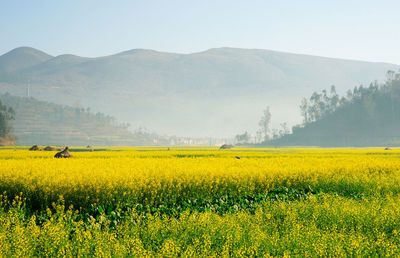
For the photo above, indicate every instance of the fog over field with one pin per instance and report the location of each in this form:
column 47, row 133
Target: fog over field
column 215, row 93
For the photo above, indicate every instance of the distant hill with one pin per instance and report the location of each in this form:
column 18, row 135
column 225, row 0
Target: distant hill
column 21, row 58
column 218, row 92
column 368, row 116
column 44, row 123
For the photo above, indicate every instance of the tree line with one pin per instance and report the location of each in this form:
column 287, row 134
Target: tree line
column 374, row 100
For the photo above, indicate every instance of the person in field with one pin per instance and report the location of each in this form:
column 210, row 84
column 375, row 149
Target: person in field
column 63, row 154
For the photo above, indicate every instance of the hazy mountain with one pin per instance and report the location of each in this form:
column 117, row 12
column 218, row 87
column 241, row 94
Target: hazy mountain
column 21, row 58
column 212, row 93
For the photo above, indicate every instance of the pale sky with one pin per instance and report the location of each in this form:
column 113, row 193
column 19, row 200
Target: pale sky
column 352, row 29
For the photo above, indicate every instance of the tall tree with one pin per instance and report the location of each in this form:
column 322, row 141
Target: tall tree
column 258, row 136
column 284, row 129
column 304, row 111
column 264, row 123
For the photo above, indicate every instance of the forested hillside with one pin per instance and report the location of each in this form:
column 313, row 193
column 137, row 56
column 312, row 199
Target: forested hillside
column 366, row 116
column 44, row 123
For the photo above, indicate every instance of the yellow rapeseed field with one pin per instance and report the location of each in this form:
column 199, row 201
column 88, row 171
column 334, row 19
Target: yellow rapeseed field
column 157, row 175
column 201, row 202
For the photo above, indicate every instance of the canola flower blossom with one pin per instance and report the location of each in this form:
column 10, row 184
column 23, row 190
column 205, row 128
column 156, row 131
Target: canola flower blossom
column 154, row 176
column 345, row 202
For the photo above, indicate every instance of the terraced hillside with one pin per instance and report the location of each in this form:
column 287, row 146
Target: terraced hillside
column 39, row 122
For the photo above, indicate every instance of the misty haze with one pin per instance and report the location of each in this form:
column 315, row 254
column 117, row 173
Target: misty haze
column 215, row 93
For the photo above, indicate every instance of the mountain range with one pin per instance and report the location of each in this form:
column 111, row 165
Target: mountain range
column 218, row 92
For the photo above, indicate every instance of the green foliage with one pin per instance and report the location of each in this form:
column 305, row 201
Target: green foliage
column 319, row 226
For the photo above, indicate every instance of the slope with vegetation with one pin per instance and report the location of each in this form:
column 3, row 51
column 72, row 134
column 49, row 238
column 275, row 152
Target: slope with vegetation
column 367, row 116
column 39, row 122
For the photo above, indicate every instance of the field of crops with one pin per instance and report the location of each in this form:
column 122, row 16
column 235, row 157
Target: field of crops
column 201, row 202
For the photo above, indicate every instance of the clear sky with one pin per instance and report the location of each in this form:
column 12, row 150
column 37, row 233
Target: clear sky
column 352, row 29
